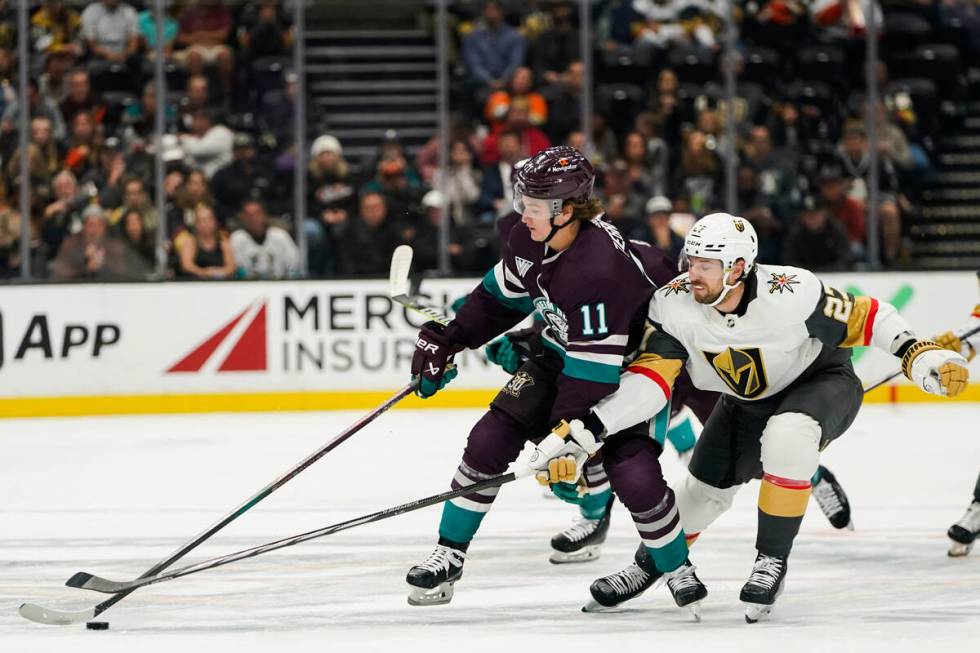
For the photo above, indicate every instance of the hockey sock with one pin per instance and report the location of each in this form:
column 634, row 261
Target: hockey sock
column 662, row 534
column 817, row 475
column 782, row 503
column 461, row 517
column 681, row 435
column 593, row 506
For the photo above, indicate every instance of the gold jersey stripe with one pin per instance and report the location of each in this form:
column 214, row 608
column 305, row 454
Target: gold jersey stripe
column 668, row 368
column 857, row 322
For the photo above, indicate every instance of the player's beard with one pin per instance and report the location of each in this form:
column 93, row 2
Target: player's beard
column 710, row 298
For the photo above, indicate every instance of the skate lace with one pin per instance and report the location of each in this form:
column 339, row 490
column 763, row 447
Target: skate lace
column 682, row 578
column 441, row 559
column 581, row 529
column 628, row 580
column 971, row 520
column 827, row 498
column 766, row 571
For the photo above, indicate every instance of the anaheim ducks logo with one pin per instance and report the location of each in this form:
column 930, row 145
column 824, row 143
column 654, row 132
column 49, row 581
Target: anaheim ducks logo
column 780, row 282
column 739, row 225
column 742, row 370
column 517, row 383
column 677, row 286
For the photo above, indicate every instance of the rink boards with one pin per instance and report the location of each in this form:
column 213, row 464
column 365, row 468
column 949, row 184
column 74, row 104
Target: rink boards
column 301, row 345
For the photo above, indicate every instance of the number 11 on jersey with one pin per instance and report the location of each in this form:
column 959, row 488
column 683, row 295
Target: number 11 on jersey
column 600, row 310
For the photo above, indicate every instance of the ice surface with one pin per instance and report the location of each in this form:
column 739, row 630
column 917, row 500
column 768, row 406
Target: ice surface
column 114, row 495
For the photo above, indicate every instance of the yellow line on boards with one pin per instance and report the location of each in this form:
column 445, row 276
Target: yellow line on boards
column 337, row 400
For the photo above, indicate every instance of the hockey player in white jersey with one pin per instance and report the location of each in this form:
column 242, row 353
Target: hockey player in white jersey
column 964, row 533
column 773, row 340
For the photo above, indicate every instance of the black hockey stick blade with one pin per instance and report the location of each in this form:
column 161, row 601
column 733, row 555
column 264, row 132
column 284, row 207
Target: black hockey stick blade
column 86, row 581
column 112, row 587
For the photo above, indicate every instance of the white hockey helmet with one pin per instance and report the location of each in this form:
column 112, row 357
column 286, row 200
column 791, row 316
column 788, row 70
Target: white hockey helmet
column 725, row 238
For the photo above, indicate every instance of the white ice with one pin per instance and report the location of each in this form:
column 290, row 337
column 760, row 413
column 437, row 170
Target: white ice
column 114, row 495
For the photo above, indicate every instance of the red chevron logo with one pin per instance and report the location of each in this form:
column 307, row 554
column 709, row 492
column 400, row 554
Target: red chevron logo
column 248, row 354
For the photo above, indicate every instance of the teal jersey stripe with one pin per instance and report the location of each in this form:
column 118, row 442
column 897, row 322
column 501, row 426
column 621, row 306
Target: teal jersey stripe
column 521, row 304
column 585, row 370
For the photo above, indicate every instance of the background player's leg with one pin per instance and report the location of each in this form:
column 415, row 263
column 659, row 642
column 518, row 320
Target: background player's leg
column 582, row 541
column 965, row 532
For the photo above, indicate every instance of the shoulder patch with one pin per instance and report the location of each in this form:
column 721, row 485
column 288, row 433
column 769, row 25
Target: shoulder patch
column 780, row 282
column 523, row 265
column 677, row 286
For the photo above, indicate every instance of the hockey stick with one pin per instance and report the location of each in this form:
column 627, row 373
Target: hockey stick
column 44, row 615
column 888, row 378
column 401, row 263
column 88, row 581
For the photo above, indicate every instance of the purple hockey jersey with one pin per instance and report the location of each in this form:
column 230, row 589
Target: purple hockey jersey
column 592, row 297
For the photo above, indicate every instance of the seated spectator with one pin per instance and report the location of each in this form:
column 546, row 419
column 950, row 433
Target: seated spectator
column 846, row 210
column 698, row 177
column 618, row 214
column 775, row 172
column 493, row 50
column 565, row 100
column 755, row 206
column 84, row 145
column 39, row 107
column 146, row 21
column 139, row 244
column 55, row 28
column 10, row 230
column 205, row 251
column 108, row 175
column 641, row 179
column 331, row 203
column 63, row 216
column 191, row 192
column 555, row 49
column 92, row 253
column 853, row 154
column 245, row 177
column 532, row 139
column 110, row 31
column 264, row 30
column 615, row 24
column 605, row 145
column 371, row 238
column 424, row 239
column 197, row 96
column 263, row 251
column 141, row 117
column 462, row 183
column 497, row 192
column 81, row 97
column 657, row 230
column 203, row 39
column 400, row 184
column 53, row 82
column 43, row 156
column 816, row 242
column 520, row 88
column 135, row 198
column 209, row 145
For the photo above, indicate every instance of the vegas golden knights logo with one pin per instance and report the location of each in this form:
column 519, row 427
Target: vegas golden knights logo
column 739, row 225
column 742, row 370
column 517, row 383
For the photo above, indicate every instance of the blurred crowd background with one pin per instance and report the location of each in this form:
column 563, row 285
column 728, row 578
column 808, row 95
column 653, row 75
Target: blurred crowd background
column 833, row 176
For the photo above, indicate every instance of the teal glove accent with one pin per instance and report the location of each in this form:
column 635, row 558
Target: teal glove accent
column 503, row 353
column 458, row 304
column 427, row 387
column 567, row 492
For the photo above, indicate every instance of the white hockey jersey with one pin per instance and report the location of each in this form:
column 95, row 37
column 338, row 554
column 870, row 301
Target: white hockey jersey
column 786, row 317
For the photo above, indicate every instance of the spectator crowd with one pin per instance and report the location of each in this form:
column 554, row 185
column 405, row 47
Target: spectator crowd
column 658, row 137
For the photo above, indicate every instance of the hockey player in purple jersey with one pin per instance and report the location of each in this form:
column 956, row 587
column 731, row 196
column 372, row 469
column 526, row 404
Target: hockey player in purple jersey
column 588, row 284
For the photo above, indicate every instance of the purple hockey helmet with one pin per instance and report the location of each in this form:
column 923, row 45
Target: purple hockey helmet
column 555, row 174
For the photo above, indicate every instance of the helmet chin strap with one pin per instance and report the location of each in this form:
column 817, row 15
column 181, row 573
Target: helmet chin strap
column 725, row 289
column 556, row 228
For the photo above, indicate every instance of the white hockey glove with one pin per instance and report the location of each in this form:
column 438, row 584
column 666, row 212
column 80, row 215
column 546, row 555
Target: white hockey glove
column 561, row 456
column 936, row 370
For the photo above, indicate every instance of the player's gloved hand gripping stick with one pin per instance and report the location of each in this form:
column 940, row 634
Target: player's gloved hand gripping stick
column 399, row 284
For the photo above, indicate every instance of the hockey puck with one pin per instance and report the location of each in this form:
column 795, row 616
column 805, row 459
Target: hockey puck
column 97, row 625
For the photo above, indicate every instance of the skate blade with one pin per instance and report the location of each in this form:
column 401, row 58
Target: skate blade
column 695, row 609
column 586, row 554
column 420, row 596
column 755, row 612
column 850, row 525
column 958, row 549
column 595, row 606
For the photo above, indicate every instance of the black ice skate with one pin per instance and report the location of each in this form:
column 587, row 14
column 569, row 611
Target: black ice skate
column 432, row 581
column 609, row 591
column 832, row 500
column 965, row 532
column 581, row 542
column 763, row 587
column 687, row 588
